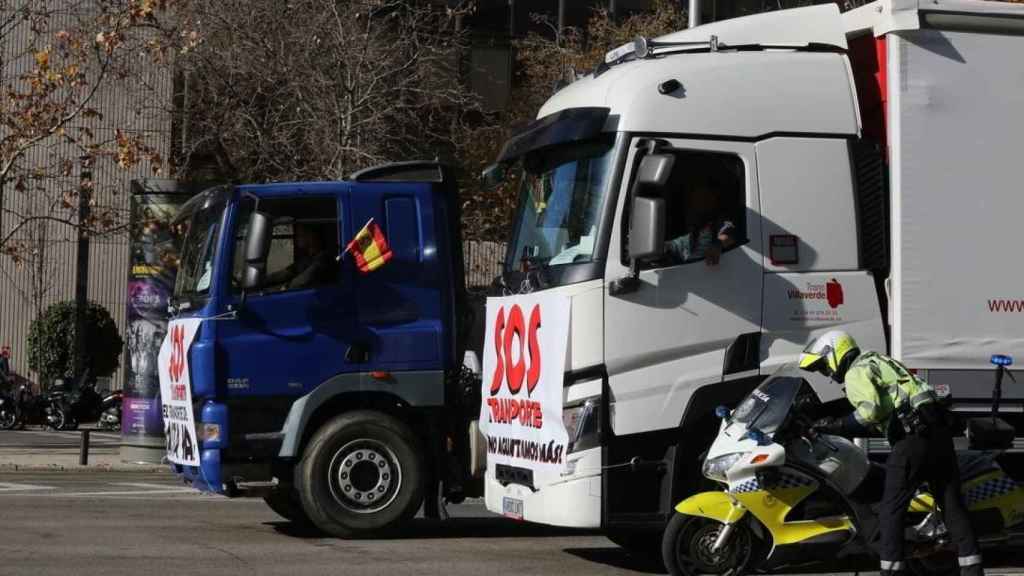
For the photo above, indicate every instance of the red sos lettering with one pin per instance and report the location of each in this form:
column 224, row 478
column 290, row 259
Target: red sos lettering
column 176, row 367
column 514, row 334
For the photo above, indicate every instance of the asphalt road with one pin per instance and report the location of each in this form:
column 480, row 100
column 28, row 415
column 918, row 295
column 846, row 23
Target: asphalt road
column 114, row 523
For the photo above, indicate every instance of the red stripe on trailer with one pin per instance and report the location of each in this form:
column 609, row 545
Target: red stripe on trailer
column 868, row 59
column 882, row 79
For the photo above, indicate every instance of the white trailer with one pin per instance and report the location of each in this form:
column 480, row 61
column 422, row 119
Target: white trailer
column 868, row 164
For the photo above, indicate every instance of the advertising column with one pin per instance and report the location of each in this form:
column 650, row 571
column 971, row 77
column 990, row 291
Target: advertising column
column 154, row 263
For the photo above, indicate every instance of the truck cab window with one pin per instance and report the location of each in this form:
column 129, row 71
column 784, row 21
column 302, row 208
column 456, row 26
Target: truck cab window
column 303, row 249
column 704, row 202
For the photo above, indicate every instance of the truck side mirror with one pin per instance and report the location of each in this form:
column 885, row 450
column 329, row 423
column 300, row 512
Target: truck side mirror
column 647, row 228
column 654, row 171
column 647, row 216
column 257, row 249
column 492, row 176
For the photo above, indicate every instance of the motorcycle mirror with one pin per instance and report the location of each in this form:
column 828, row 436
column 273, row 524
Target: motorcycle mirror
column 757, row 436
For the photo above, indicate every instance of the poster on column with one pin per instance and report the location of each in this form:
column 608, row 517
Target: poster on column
column 176, row 392
column 523, row 367
column 154, row 262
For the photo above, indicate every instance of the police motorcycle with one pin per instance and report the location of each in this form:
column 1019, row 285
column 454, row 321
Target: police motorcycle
column 793, row 496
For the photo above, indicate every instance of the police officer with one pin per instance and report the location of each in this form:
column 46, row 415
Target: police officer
column 888, row 399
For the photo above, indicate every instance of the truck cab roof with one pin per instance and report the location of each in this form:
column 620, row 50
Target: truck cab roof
column 775, row 72
column 732, row 93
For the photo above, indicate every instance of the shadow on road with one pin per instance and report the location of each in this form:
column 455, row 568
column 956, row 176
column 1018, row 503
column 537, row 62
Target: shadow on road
column 422, row 529
column 618, row 558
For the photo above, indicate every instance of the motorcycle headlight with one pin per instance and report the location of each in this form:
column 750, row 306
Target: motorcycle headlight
column 715, row 468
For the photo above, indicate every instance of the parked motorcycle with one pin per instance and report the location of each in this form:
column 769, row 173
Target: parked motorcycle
column 41, row 409
column 8, row 414
column 110, row 419
column 794, row 496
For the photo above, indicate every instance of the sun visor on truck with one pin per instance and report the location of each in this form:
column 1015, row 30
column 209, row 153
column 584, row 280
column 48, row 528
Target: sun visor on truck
column 570, row 125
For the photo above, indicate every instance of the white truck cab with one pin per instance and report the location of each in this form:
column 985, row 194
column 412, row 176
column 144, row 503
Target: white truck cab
column 855, row 172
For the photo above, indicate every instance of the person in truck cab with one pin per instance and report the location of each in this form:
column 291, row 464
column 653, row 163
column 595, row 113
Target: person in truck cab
column 708, row 230
column 313, row 263
column 888, row 399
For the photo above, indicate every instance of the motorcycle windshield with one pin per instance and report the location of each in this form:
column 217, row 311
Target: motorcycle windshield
column 767, row 406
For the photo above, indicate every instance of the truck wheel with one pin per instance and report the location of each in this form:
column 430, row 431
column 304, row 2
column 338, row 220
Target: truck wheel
column 286, row 503
column 360, row 474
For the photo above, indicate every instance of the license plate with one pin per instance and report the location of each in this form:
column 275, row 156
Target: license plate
column 512, row 508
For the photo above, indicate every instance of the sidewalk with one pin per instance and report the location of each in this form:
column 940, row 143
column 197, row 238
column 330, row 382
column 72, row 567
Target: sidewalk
column 49, row 450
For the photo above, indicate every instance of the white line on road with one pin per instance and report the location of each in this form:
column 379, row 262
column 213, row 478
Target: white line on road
column 149, row 485
column 129, row 492
column 70, row 433
column 12, row 487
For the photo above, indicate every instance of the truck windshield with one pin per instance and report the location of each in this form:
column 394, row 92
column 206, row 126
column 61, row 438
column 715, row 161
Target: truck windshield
column 197, row 228
column 560, row 204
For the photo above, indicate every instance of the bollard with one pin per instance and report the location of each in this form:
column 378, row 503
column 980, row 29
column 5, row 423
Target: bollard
column 83, row 455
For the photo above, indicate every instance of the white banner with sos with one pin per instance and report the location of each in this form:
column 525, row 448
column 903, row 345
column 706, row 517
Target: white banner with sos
column 176, row 392
column 524, row 364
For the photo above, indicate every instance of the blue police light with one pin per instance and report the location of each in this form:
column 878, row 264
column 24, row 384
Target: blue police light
column 757, row 436
column 1001, row 360
column 722, row 412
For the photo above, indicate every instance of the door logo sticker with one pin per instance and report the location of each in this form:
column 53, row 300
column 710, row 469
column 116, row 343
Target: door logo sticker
column 834, row 293
column 817, row 301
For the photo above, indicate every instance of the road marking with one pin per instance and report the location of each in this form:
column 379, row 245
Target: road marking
column 13, row 487
column 150, row 485
column 128, row 492
column 71, row 434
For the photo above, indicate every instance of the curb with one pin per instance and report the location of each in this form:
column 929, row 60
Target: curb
column 90, row 468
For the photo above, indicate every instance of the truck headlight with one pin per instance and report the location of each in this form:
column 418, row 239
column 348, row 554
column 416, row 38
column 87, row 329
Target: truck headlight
column 715, row 468
column 583, row 423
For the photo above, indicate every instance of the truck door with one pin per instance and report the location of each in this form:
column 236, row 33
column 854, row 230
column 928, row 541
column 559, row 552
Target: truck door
column 293, row 333
column 666, row 343
column 402, row 320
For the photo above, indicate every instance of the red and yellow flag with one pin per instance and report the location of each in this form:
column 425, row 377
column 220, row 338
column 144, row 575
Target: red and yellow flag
column 370, row 248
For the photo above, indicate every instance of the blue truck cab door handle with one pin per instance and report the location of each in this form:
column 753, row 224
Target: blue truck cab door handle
column 357, row 353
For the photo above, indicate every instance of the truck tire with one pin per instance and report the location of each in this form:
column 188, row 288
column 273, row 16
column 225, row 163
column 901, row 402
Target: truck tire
column 360, row 475
column 285, row 503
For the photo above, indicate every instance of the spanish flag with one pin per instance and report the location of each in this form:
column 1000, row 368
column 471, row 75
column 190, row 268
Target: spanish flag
column 370, row 248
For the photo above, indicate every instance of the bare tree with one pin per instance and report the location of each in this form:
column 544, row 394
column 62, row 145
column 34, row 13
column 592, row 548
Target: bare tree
column 544, row 61
column 315, row 89
column 57, row 58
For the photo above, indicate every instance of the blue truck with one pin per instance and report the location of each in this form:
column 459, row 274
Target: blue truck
column 336, row 395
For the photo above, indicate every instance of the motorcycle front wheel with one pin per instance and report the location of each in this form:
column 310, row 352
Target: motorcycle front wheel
column 686, row 548
column 8, row 419
column 56, row 419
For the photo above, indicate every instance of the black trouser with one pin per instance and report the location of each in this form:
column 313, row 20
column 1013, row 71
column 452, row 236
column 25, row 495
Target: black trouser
column 926, row 456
